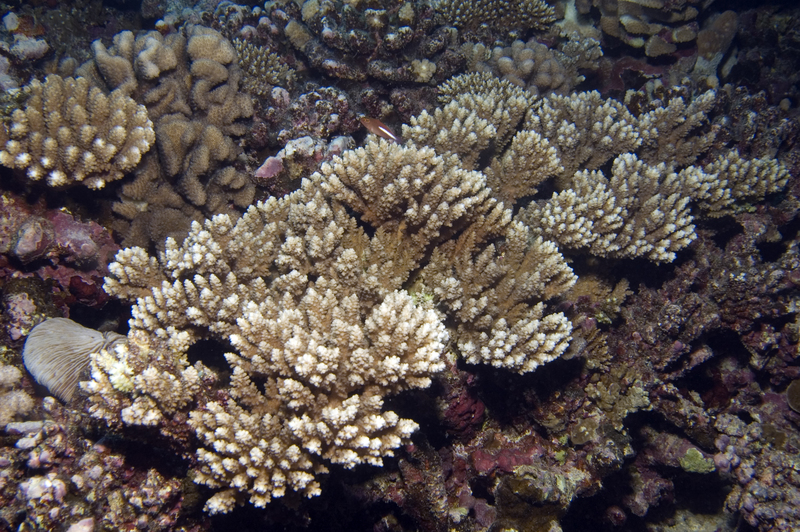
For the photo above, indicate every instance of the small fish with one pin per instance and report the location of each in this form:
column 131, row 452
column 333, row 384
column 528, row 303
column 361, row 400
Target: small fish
column 377, row 127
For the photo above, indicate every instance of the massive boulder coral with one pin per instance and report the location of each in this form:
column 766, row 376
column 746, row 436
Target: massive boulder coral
column 71, row 132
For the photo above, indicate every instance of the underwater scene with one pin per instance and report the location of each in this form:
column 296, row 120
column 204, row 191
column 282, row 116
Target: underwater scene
column 400, row 266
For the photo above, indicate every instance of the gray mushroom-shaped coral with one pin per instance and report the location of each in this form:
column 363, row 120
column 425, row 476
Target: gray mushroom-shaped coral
column 57, row 351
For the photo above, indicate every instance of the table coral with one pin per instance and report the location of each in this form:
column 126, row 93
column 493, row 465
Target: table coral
column 312, row 303
column 653, row 200
column 343, row 333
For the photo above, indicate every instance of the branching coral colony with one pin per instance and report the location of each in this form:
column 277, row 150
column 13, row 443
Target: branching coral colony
column 326, row 318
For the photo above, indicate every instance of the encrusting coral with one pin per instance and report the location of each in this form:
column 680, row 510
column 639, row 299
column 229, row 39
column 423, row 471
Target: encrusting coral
column 71, row 132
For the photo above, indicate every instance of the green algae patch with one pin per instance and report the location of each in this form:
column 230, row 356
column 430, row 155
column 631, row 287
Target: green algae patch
column 693, row 461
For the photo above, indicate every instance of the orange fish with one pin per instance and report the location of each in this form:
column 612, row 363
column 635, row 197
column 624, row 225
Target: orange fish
column 377, row 127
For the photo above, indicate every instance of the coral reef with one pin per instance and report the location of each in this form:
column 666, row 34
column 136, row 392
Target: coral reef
column 562, row 296
column 759, row 457
column 310, row 272
column 688, row 40
column 50, row 478
column 49, row 260
column 713, row 42
column 663, row 349
column 767, row 40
